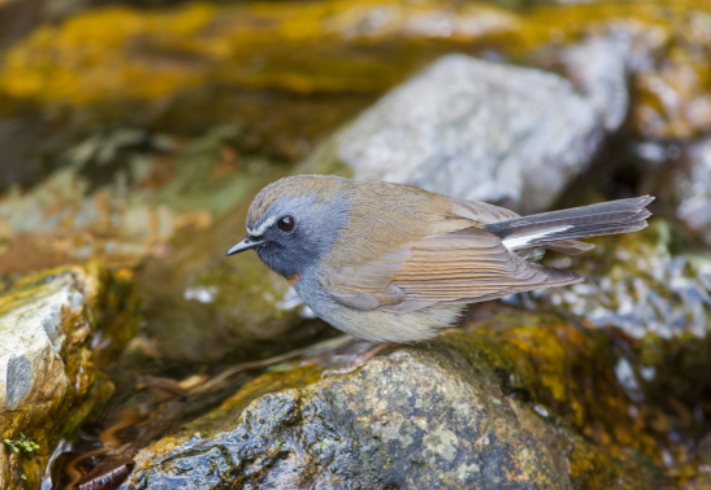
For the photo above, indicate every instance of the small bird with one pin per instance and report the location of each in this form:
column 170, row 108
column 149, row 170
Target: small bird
column 389, row 262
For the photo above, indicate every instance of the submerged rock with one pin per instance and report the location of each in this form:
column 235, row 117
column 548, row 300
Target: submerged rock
column 56, row 329
column 482, row 130
column 513, row 402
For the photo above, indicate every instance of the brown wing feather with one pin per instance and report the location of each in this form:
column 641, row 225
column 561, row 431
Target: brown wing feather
column 463, row 266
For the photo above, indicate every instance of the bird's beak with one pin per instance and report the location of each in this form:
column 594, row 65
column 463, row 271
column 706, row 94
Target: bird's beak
column 248, row 243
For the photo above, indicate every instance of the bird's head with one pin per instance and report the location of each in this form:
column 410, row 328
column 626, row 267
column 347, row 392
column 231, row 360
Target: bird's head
column 293, row 222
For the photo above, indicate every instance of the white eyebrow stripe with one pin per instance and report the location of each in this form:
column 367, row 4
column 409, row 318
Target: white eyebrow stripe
column 262, row 228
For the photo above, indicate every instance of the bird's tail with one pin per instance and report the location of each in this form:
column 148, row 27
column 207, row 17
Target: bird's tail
column 558, row 230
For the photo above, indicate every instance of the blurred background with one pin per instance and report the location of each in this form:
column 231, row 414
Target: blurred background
column 134, row 134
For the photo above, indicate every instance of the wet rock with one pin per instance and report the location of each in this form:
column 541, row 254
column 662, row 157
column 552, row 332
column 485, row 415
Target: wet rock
column 61, row 222
column 635, row 282
column 56, row 329
column 502, row 405
column 483, row 130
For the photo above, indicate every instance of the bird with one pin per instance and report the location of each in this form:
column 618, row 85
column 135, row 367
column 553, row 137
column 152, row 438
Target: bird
column 393, row 263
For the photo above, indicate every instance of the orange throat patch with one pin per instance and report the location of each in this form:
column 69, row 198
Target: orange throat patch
column 293, row 279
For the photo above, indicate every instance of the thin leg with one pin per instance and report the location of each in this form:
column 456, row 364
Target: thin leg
column 358, row 361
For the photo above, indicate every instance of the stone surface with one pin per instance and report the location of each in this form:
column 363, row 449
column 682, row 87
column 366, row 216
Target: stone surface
column 120, row 197
column 56, row 329
column 502, row 405
column 598, row 67
column 482, row 130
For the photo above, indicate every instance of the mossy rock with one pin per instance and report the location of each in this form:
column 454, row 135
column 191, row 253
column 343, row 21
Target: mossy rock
column 514, row 401
column 57, row 328
column 116, row 54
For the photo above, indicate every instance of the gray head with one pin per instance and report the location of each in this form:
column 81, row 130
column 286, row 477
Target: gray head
column 293, row 222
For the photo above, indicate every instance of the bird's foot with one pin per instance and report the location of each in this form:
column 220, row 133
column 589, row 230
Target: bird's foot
column 358, row 361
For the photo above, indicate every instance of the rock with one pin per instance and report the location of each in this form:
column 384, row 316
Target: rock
column 129, row 53
column 598, row 67
column 692, row 189
column 121, row 197
column 483, row 130
column 635, row 283
column 501, row 405
column 672, row 77
column 56, row 329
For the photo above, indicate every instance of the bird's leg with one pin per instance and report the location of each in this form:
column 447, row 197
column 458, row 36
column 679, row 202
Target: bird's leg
column 358, row 361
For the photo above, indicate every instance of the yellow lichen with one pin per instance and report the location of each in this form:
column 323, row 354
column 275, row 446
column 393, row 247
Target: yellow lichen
column 565, row 368
column 118, row 52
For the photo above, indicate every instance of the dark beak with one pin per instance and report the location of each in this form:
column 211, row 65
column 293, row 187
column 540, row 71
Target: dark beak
column 248, row 243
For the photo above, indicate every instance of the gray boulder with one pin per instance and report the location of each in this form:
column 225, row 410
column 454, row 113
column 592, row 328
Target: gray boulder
column 484, row 130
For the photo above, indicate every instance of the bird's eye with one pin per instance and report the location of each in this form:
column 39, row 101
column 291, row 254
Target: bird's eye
column 286, row 223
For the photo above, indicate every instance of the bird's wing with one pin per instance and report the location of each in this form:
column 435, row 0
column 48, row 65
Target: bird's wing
column 467, row 265
column 486, row 214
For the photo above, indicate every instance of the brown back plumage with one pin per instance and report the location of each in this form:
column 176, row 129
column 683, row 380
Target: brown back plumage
column 406, row 249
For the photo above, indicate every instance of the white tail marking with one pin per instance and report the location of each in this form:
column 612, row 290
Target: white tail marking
column 519, row 242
